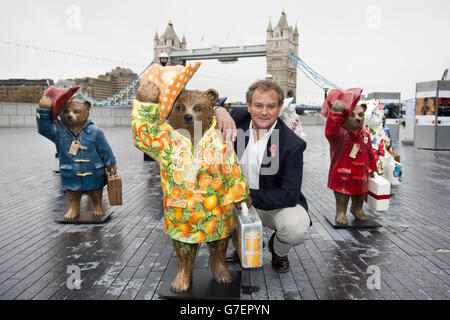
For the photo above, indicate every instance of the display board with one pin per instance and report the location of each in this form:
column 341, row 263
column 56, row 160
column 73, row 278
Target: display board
column 432, row 120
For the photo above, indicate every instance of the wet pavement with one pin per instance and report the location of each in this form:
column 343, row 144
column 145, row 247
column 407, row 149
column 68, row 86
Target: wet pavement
column 126, row 258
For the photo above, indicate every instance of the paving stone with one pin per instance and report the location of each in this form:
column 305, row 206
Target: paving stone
column 127, row 257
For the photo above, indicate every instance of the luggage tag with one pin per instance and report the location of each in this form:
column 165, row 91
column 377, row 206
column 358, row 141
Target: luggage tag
column 354, row 151
column 74, row 148
column 75, row 144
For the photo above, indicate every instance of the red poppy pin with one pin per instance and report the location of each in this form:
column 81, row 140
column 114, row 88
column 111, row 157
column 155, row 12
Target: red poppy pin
column 273, row 150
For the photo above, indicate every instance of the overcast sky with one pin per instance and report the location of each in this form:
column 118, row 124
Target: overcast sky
column 377, row 45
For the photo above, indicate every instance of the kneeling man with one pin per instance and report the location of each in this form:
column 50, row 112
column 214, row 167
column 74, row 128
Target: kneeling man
column 271, row 156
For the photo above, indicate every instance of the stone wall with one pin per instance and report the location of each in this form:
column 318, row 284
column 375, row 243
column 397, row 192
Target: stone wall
column 312, row 120
column 20, row 115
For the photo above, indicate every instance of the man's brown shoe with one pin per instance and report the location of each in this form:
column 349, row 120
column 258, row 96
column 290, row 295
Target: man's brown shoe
column 280, row 264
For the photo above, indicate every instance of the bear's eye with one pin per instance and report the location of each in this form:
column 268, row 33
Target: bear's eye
column 360, row 114
column 180, row 108
column 197, row 108
column 66, row 111
column 76, row 111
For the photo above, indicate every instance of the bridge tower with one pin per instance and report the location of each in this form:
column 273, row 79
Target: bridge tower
column 166, row 43
column 280, row 40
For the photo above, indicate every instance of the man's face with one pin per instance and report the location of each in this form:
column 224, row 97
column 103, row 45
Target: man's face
column 264, row 108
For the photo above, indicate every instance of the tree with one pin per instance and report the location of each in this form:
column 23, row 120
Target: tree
column 27, row 95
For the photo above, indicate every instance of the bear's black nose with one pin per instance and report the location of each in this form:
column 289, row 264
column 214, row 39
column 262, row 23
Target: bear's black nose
column 69, row 117
column 188, row 118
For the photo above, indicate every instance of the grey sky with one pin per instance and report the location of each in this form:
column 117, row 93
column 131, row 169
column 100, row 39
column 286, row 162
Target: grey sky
column 340, row 39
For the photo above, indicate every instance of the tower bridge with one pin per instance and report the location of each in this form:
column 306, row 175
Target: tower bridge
column 280, row 40
column 219, row 53
column 280, row 50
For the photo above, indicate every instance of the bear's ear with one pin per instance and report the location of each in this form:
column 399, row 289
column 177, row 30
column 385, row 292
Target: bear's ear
column 212, row 94
column 364, row 106
column 88, row 104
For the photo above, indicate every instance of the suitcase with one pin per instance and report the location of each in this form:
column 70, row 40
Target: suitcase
column 379, row 193
column 114, row 188
column 247, row 236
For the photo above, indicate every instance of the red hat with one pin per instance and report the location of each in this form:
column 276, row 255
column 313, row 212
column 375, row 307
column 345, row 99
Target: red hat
column 59, row 98
column 349, row 98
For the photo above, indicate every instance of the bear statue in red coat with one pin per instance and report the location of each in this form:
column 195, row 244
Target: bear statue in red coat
column 351, row 153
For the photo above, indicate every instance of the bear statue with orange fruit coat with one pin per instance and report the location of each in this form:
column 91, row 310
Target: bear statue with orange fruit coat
column 200, row 175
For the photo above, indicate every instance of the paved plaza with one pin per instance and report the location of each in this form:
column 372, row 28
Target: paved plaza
column 126, row 258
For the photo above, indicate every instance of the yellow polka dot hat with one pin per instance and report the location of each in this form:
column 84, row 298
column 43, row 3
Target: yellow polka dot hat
column 171, row 80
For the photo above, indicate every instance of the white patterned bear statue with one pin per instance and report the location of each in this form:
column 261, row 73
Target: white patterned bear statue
column 392, row 170
column 291, row 118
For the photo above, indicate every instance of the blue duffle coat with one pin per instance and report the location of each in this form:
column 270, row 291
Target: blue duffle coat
column 86, row 170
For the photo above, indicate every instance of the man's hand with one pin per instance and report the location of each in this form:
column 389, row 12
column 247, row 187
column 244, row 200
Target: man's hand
column 225, row 124
column 247, row 200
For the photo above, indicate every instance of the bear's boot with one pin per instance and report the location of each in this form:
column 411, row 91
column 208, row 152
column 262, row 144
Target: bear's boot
column 96, row 197
column 356, row 207
column 341, row 207
column 217, row 256
column 186, row 253
column 74, row 198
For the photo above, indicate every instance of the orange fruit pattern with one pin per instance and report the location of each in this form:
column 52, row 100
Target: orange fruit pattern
column 183, row 159
column 216, row 184
column 194, row 211
column 237, row 191
column 210, row 203
column 178, row 214
column 204, row 179
column 225, row 169
column 178, row 176
column 211, row 226
column 209, row 154
column 176, row 193
column 204, row 164
column 236, row 171
column 214, row 166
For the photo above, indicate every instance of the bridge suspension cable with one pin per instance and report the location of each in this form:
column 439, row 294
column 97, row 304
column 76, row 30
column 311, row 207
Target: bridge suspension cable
column 126, row 95
column 67, row 53
column 311, row 74
column 121, row 97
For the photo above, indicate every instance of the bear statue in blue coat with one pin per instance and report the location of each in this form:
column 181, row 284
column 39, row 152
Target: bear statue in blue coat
column 83, row 151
